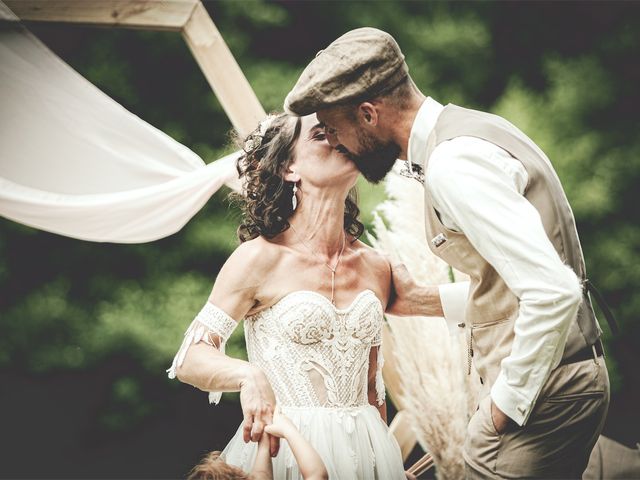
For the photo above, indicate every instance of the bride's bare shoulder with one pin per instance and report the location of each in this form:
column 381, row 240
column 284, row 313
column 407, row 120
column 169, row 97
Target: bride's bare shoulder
column 239, row 281
column 373, row 258
column 374, row 266
column 254, row 256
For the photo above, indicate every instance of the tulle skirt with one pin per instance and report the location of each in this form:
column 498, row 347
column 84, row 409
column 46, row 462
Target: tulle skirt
column 354, row 443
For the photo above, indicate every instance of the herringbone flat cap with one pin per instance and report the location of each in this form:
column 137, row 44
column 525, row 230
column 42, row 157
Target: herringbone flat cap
column 358, row 65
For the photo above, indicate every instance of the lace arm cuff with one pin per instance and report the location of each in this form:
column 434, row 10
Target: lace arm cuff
column 210, row 321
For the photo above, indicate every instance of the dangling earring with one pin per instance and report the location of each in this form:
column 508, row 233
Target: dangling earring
column 294, row 199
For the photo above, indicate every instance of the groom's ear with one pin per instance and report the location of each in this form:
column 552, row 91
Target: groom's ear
column 368, row 114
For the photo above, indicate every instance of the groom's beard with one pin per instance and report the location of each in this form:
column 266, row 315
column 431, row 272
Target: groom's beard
column 376, row 158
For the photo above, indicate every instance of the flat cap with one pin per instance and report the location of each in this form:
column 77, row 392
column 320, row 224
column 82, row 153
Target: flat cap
column 360, row 64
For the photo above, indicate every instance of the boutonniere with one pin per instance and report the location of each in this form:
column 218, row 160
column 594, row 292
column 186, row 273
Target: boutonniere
column 413, row 170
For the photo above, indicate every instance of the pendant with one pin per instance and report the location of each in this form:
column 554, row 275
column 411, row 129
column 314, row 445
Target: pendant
column 333, row 286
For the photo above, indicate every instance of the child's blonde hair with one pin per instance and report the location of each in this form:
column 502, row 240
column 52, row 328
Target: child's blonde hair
column 212, row 467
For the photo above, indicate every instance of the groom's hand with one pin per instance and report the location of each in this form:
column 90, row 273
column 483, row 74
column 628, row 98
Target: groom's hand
column 500, row 420
column 409, row 298
column 402, row 288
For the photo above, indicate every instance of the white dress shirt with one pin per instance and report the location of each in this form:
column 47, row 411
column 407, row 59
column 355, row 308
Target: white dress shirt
column 477, row 188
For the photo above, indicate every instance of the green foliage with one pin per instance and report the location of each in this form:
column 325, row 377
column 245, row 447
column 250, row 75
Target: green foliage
column 127, row 406
column 449, row 55
column 44, row 330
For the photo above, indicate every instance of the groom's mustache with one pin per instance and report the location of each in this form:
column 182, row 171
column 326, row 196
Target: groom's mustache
column 346, row 152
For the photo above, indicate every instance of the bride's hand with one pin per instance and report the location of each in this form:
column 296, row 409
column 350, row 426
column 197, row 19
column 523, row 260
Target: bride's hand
column 258, row 402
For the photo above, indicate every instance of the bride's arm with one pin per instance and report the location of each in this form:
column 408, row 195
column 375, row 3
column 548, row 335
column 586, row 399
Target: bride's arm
column 210, row 370
column 201, row 361
column 375, row 387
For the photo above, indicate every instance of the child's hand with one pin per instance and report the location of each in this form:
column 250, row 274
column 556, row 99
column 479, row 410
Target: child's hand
column 281, row 426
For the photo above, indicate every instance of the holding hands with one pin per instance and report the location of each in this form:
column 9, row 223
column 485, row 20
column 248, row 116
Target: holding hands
column 309, row 461
column 281, row 426
column 258, row 403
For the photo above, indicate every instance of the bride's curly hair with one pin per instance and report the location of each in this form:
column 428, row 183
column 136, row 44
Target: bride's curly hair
column 265, row 200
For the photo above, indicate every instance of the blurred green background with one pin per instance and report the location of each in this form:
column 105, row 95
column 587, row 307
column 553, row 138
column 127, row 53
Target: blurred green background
column 87, row 329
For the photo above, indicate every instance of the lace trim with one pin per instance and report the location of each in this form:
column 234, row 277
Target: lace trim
column 377, row 340
column 380, row 390
column 210, row 320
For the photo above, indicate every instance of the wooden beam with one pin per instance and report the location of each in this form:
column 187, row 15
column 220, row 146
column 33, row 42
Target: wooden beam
column 7, row 14
column 188, row 16
column 222, row 72
column 148, row 14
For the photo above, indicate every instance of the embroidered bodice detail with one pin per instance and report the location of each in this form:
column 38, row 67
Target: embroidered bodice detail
column 314, row 354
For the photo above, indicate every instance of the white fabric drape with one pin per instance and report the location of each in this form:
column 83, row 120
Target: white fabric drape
column 75, row 162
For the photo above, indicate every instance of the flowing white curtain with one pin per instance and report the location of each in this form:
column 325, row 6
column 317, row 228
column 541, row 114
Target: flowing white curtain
column 75, row 162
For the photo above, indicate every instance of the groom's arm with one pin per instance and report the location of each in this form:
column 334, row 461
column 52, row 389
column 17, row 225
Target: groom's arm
column 410, row 299
column 479, row 187
column 447, row 300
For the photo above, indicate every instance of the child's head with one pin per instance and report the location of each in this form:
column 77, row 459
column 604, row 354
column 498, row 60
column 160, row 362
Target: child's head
column 212, row 467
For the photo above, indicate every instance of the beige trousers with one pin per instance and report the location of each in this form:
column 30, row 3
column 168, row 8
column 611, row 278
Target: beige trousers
column 557, row 439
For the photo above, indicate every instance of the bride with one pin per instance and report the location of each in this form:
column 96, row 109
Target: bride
column 312, row 297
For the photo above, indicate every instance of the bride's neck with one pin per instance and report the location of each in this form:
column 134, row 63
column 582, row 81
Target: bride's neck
column 319, row 221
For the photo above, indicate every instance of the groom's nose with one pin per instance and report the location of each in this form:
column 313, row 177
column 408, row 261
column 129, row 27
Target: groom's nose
column 332, row 138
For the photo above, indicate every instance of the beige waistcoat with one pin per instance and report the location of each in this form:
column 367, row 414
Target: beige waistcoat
column 492, row 308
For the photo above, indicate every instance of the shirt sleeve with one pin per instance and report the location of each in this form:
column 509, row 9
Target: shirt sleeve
column 472, row 183
column 453, row 297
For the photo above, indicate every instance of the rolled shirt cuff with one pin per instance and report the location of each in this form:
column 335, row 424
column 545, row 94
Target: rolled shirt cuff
column 453, row 297
column 513, row 404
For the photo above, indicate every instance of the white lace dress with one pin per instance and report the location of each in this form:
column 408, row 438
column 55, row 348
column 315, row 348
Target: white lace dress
column 316, row 358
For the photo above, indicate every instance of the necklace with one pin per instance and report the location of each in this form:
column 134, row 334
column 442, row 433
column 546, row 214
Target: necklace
column 315, row 254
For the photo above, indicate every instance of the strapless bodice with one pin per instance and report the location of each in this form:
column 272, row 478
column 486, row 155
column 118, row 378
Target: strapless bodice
column 314, row 354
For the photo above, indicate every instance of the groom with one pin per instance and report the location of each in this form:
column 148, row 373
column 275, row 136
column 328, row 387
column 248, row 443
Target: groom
column 494, row 209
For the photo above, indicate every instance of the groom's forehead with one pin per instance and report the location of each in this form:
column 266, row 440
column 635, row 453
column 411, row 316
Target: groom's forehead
column 329, row 116
column 323, row 119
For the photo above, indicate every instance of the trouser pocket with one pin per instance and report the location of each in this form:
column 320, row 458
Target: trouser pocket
column 482, row 442
column 564, row 425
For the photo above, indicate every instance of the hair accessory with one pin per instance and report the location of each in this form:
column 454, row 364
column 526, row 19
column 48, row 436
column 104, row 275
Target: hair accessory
column 254, row 140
